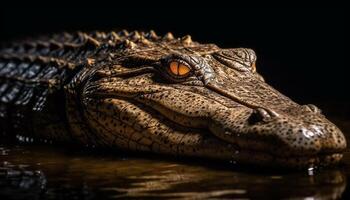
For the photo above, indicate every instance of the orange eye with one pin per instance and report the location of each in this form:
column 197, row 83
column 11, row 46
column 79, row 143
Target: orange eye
column 178, row 68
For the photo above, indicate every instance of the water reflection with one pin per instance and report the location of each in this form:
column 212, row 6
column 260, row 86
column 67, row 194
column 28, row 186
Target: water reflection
column 17, row 179
column 41, row 172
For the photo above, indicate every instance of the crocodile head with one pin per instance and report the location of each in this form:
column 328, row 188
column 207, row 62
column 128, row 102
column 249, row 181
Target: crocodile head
column 175, row 96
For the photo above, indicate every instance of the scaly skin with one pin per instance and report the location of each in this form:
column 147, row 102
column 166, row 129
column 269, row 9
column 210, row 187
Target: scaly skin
column 117, row 90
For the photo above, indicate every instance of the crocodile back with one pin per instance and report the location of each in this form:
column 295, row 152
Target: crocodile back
column 33, row 73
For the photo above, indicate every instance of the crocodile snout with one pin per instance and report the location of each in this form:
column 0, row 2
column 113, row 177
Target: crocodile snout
column 299, row 131
column 298, row 134
column 309, row 133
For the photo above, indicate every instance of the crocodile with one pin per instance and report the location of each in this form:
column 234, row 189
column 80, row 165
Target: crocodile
column 137, row 91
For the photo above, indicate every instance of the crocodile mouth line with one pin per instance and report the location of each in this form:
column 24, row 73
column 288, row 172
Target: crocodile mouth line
column 254, row 156
column 317, row 160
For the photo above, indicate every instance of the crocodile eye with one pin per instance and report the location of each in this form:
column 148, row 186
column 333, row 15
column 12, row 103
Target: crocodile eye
column 178, row 68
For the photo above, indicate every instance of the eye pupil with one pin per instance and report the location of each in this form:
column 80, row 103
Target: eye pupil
column 179, row 69
column 174, row 68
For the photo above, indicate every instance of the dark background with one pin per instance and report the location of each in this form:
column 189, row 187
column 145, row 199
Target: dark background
column 301, row 51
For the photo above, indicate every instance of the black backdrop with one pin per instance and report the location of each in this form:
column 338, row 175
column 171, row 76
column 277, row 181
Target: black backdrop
column 301, row 51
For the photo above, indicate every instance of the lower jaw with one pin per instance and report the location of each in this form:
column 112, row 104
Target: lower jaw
column 322, row 160
column 245, row 157
column 294, row 162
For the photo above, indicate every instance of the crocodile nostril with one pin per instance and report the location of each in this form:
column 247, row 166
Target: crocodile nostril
column 312, row 108
column 261, row 115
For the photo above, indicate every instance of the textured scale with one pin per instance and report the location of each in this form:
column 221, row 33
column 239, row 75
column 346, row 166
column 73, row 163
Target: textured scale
column 116, row 90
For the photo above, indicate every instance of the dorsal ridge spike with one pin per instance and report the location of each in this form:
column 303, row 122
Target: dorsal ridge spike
column 168, row 36
column 43, row 44
column 114, row 35
column 124, row 33
column 129, row 44
column 186, row 40
column 92, row 41
column 135, row 35
column 113, row 38
column 65, row 34
column 145, row 41
column 55, row 45
column 152, row 35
